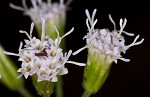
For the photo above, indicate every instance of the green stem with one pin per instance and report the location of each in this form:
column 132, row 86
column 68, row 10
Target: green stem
column 24, row 92
column 86, row 94
column 59, row 87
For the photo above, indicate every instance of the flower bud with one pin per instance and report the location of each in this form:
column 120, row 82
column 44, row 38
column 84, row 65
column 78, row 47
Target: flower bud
column 43, row 59
column 104, row 48
column 53, row 13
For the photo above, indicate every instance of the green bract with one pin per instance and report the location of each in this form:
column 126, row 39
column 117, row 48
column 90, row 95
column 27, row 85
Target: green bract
column 95, row 72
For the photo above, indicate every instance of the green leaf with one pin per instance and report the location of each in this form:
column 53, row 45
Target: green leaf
column 9, row 72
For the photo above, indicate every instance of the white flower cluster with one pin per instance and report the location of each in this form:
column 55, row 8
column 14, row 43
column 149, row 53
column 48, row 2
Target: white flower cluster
column 47, row 10
column 109, row 44
column 43, row 57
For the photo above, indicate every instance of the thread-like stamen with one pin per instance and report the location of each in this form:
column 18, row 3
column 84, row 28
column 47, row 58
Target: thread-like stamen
column 88, row 16
column 76, row 63
column 61, row 2
column 89, row 29
column 127, row 33
column 123, row 59
column 34, row 3
column 93, row 15
column 92, row 27
column 49, row 2
column 31, row 29
column 122, row 25
column 16, row 7
column 39, row 2
column 69, row 32
column 21, row 31
column 79, row 50
column 69, row 54
column 114, row 24
column 56, row 31
column 43, row 28
column 134, row 42
column 21, row 44
column 68, row 2
column 10, row 53
column 24, row 4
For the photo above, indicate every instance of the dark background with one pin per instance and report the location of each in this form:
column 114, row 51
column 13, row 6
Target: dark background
column 125, row 79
